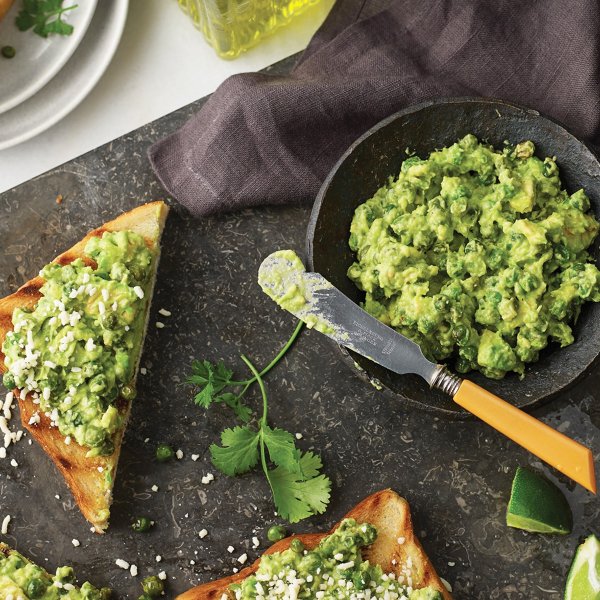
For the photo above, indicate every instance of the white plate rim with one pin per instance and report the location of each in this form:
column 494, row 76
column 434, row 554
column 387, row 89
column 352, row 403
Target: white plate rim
column 121, row 8
column 39, row 82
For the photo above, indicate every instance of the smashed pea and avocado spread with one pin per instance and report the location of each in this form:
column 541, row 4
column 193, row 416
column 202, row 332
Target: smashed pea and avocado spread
column 76, row 351
column 332, row 570
column 477, row 253
column 20, row 579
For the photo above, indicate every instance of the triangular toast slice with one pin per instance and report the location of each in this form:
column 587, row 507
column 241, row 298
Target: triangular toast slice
column 385, row 510
column 22, row 578
column 90, row 479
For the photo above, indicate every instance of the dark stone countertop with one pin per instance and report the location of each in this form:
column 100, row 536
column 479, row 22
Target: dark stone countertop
column 456, row 475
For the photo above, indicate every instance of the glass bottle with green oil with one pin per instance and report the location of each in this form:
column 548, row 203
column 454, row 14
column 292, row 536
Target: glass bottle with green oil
column 232, row 26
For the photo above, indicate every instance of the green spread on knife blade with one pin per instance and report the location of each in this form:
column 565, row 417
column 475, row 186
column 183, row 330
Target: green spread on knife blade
column 281, row 278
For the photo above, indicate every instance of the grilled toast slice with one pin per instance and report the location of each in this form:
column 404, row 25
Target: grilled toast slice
column 20, row 578
column 90, row 479
column 390, row 514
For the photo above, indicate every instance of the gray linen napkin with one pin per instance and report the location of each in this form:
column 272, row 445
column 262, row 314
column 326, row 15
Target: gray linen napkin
column 264, row 139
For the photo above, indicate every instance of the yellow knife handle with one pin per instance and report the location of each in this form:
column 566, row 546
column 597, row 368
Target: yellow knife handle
column 564, row 454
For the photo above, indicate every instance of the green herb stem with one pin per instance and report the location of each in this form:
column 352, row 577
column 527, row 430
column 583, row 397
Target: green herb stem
column 279, row 356
column 263, row 420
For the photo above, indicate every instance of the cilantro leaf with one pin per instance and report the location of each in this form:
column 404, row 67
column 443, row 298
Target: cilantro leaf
column 213, row 378
column 282, row 449
column 24, row 21
column 296, row 498
column 239, row 452
column 45, row 16
column 59, row 27
column 242, row 412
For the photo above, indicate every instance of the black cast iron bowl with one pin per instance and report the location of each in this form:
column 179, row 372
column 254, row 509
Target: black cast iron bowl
column 376, row 155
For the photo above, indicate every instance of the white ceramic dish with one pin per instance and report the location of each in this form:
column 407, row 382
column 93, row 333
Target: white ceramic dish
column 74, row 81
column 38, row 59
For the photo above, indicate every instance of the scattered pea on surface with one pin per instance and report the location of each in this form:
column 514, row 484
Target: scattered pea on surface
column 153, row 586
column 164, row 452
column 276, row 533
column 141, row 524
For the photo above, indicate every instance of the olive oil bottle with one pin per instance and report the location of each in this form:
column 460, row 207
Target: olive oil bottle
column 232, row 26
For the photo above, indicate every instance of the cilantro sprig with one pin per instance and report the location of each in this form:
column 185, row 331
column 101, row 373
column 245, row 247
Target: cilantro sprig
column 298, row 487
column 45, row 16
column 214, row 379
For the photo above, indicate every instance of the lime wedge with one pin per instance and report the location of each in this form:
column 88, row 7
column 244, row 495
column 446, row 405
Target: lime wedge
column 537, row 505
column 583, row 582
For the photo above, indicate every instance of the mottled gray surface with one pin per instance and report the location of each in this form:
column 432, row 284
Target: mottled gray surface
column 456, row 475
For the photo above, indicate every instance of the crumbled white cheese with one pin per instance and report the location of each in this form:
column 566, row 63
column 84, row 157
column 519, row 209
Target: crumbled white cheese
column 159, row 324
column 299, row 436
column 162, row 575
column 206, row 479
column 158, row 558
column 446, row 584
column 123, row 564
column 154, row 488
column 195, row 457
column 230, row 549
column 164, row 312
column 179, row 454
column 75, row 543
column 202, row 533
column 133, row 570
column 243, row 558
column 5, row 524
column 139, row 292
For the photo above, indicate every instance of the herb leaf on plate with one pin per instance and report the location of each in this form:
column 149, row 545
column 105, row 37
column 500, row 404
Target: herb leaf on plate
column 45, row 17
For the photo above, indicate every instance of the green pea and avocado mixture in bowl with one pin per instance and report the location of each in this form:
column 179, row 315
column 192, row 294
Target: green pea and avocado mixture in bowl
column 477, row 254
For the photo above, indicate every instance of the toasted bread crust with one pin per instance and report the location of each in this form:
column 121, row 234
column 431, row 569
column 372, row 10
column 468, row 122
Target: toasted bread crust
column 389, row 513
column 86, row 477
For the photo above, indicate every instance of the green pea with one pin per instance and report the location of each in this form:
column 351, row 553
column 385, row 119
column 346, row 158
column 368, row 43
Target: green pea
column 296, row 545
column 164, row 452
column 36, row 588
column 8, row 52
column 128, row 392
column 8, row 380
column 361, row 580
column 108, row 320
column 107, row 447
column 94, row 436
column 153, row 586
column 141, row 524
column 276, row 533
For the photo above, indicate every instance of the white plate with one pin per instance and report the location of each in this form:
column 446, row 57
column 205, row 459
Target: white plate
column 73, row 82
column 38, row 59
